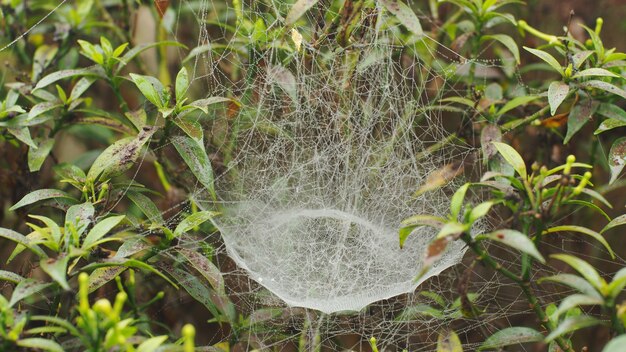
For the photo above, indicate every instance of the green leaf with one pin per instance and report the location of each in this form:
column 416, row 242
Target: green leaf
column 205, row 267
column 297, row 10
column 57, row 269
column 151, row 88
column 580, row 229
column 120, row 156
column 617, row 158
column 147, row 206
column 516, row 102
column 36, row 157
column 557, row 92
column 616, row 344
column 418, row 311
column 39, row 195
column 574, row 281
column 511, row 336
column 512, row 158
column 198, row 161
column 578, row 117
column 80, row 216
column 449, row 342
column 100, row 230
column 129, row 263
column 203, row 104
column 182, row 84
column 584, row 269
column 151, row 344
column 480, row 210
column 605, row 86
column 572, row 324
column 40, row 343
column 549, row 59
column 22, row 134
column 101, row 276
column 617, row 284
column 594, row 72
column 43, row 108
column 576, row 300
column 456, row 203
column 22, row 240
column 415, row 221
column 194, row 220
column 618, row 221
column 452, row 228
column 514, row 239
column 10, row 276
column 404, row 14
column 95, row 71
column 611, row 111
column 609, row 124
column 508, row 43
column 26, row 288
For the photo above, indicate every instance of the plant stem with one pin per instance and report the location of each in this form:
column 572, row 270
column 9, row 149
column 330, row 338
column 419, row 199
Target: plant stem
column 523, row 284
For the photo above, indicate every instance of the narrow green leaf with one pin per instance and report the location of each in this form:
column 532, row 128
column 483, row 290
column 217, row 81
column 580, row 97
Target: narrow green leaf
column 100, row 230
column 594, row 72
column 579, row 116
column 557, row 92
column 21, row 240
column 285, row 80
column 508, row 43
column 203, row 104
column 584, row 269
column 151, row 344
column 120, row 156
column 40, row 343
column 452, row 228
column 617, row 158
column 511, row 336
column 39, row 195
column 480, row 210
column 549, row 59
column 580, row 229
column 609, row 124
column 515, row 240
column 101, row 276
column 147, row 206
column 456, row 203
column 151, row 88
column 182, row 84
column 572, row 324
column 10, row 276
column 449, row 342
column 198, row 161
column 36, row 157
column 516, row 102
column 22, row 134
column 605, row 86
column 57, row 269
column 573, row 281
column 132, row 53
column 415, row 221
column 618, row 221
column 205, row 267
column 297, row 10
column 404, row 14
column 512, row 158
column 576, row 300
column 194, row 220
column 26, row 288
column 95, row 71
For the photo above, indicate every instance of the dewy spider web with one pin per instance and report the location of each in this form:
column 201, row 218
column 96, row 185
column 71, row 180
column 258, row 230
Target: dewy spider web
column 328, row 151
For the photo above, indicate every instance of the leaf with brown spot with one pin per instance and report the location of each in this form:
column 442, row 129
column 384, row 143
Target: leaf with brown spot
column 617, row 158
column 120, row 156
